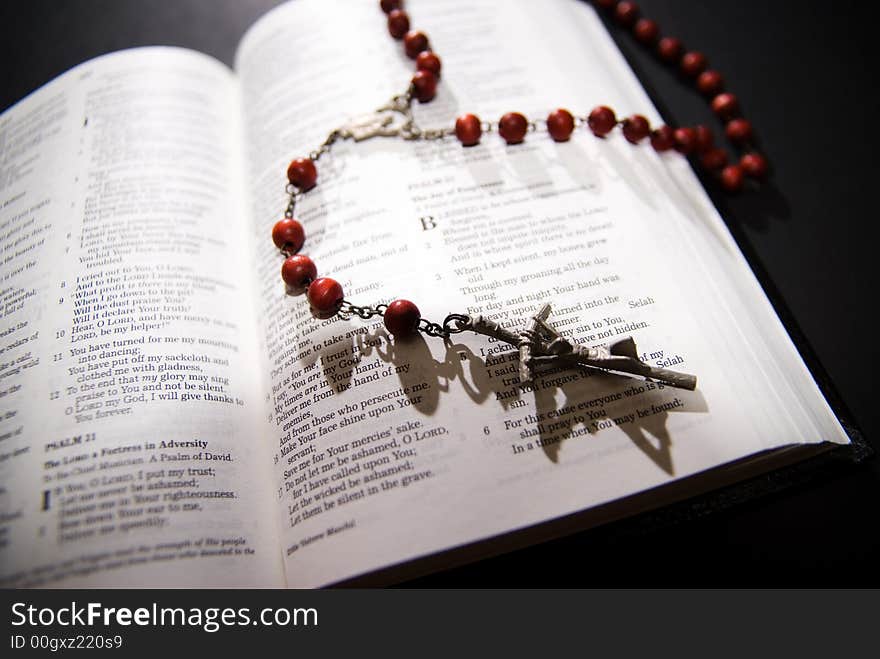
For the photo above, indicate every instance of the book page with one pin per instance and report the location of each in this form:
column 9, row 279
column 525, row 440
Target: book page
column 127, row 392
column 389, row 450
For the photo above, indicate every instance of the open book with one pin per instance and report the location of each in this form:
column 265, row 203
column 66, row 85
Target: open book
column 169, row 417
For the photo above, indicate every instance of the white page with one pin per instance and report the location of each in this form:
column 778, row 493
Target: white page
column 439, row 450
column 129, row 395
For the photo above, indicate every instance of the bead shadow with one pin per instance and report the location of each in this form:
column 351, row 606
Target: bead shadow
column 630, row 169
column 524, row 164
column 475, row 379
column 416, row 369
column 412, row 362
column 757, row 208
column 459, row 363
column 314, row 209
column 572, row 157
column 340, row 379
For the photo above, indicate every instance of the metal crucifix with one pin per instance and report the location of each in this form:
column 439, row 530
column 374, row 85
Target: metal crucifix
column 541, row 344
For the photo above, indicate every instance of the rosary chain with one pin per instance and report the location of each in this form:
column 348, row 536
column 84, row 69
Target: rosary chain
column 401, row 104
column 454, row 323
column 325, row 145
column 293, row 195
column 409, row 130
column 347, row 310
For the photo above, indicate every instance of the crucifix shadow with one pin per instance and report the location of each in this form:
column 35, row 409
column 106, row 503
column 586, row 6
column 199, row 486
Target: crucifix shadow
column 424, row 379
column 642, row 411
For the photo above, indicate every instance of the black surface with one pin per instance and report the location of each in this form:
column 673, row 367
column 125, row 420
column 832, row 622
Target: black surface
column 803, row 73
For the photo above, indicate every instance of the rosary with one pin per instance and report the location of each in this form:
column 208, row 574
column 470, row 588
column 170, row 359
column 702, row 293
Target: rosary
column 539, row 343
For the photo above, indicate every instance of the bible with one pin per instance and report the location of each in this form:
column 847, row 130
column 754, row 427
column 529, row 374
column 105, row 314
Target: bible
column 169, row 416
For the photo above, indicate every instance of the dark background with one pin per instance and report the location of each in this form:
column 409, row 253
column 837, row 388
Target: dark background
column 804, row 73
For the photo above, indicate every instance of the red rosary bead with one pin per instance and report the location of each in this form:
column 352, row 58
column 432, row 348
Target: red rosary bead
column 601, row 120
column 739, row 130
column 428, row 61
column 685, row 140
column 714, row 159
column 663, row 139
column 693, row 64
column 754, row 165
column 288, row 235
column 732, row 178
column 424, row 85
column 325, row 295
column 402, row 318
column 710, row 83
column 468, row 129
column 298, row 271
column 669, row 49
column 725, row 105
column 398, row 23
column 390, row 5
column 699, row 139
column 646, row 31
column 302, row 173
column 560, row 125
column 636, row 128
column 513, row 127
column 415, row 42
column 705, row 138
column 626, row 13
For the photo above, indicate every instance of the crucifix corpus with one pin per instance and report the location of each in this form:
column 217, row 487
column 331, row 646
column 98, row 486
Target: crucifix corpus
column 540, row 344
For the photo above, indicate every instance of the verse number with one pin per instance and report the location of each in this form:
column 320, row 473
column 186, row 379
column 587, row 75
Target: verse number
column 485, row 430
